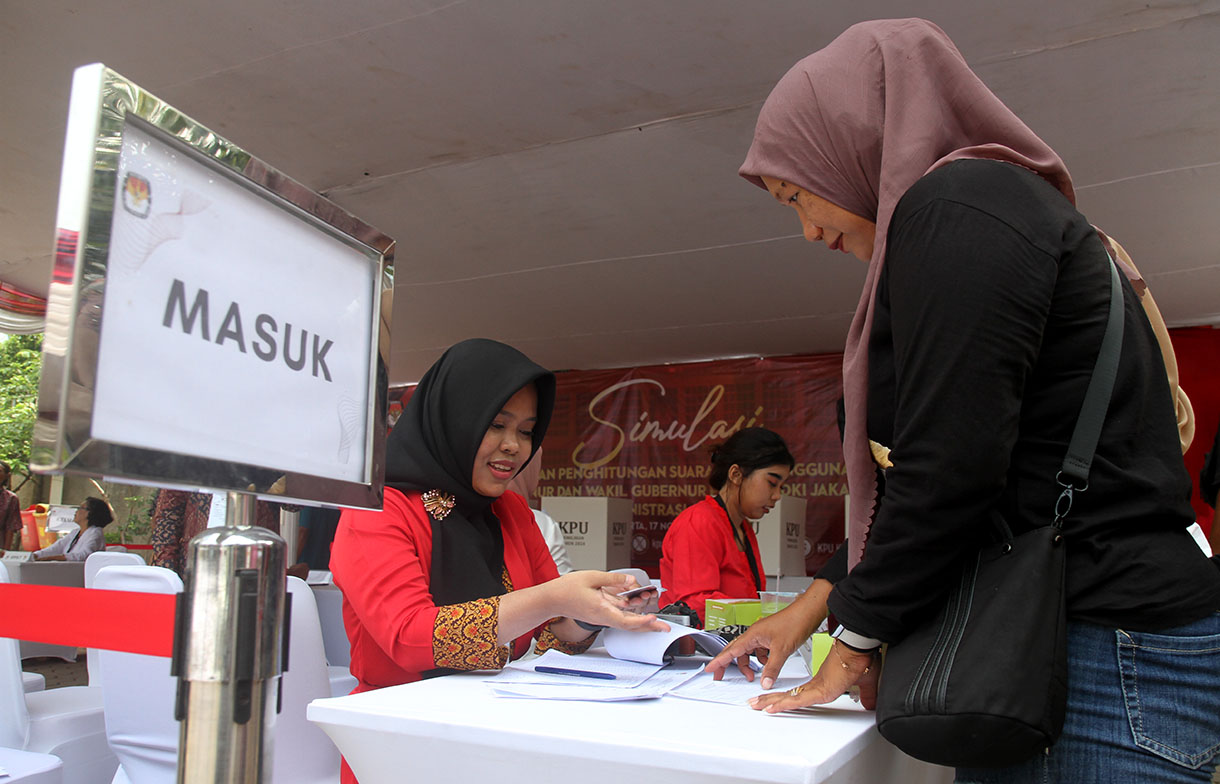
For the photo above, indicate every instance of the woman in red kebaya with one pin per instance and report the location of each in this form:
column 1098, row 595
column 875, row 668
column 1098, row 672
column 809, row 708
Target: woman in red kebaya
column 710, row 551
column 453, row 574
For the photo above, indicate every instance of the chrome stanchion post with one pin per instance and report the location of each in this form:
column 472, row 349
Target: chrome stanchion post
column 227, row 650
column 290, row 526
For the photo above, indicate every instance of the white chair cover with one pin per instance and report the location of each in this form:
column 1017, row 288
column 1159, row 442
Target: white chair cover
column 14, row 717
column 28, row 767
column 66, row 722
column 33, row 681
column 330, row 612
column 303, row 753
column 93, row 564
column 138, row 690
column 341, row 680
column 139, row 696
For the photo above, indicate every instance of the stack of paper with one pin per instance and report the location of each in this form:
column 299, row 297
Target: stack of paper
column 594, row 676
column 658, row 647
column 633, row 666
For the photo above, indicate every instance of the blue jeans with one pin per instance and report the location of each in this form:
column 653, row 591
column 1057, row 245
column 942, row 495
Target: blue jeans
column 1142, row 707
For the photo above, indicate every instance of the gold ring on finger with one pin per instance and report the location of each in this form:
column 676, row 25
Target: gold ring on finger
column 796, row 690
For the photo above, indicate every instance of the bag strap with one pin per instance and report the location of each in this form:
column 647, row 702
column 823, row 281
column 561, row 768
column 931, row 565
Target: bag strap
column 1073, row 476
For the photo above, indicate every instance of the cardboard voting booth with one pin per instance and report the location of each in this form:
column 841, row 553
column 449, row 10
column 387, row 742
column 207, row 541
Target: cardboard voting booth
column 596, row 531
column 781, row 537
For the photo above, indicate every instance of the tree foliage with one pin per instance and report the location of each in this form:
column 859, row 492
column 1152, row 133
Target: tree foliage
column 20, row 364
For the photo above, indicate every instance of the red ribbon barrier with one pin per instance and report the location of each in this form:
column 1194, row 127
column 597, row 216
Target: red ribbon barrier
column 89, row 618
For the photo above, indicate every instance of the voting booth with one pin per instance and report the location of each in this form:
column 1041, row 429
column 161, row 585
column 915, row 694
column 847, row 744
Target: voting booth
column 781, row 537
column 596, row 531
column 212, row 326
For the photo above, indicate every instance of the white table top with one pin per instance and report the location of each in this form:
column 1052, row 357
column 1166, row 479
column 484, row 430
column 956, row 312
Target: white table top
column 454, row 729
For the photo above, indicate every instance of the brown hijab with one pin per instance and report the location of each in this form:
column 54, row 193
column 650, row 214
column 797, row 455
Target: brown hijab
column 857, row 123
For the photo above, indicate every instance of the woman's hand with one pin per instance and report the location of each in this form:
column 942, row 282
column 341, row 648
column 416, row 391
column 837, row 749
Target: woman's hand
column 586, row 595
column 593, row 597
column 773, row 639
column 842, row 669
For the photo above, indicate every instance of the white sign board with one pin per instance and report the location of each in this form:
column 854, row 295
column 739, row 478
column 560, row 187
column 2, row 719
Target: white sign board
column 61, row 518
column 232, row 329
column 212, row 324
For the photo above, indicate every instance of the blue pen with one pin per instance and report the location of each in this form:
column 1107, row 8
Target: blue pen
column 605, row 676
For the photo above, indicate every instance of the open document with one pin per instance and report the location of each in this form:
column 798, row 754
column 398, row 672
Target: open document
column 658, row 647
column 632, row 666
column 593, row 676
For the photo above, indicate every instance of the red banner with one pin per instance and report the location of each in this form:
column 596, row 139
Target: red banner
column 646, row 434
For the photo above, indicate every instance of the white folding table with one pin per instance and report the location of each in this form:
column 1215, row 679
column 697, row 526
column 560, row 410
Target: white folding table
column 454, row 729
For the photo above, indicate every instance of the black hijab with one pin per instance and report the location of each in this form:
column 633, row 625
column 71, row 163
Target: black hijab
column 433, row 447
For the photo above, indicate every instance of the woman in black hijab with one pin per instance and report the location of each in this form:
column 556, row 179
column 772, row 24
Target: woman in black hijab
column 453, row 574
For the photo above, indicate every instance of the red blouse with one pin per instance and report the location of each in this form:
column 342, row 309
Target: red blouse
column 382, row 562
column 700, row 559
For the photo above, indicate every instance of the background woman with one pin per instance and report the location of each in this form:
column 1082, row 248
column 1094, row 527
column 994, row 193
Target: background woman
column 453, row 574
column 92, row 516
column 969, row 354
column 710, row 551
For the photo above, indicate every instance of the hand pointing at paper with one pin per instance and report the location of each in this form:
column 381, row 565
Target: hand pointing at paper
column 773, row 639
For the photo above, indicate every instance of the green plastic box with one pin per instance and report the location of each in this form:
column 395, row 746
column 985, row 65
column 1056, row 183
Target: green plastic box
column 731, row 612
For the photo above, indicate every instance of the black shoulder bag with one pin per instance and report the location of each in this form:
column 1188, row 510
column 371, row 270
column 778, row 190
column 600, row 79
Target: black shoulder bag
column 984, row 683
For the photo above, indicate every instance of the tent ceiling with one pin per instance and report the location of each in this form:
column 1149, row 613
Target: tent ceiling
column 561, row 174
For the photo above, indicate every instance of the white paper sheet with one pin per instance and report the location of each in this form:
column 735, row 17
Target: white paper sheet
column 651, row 646
column 519, row 682
column 736, row 690
column 626, row 673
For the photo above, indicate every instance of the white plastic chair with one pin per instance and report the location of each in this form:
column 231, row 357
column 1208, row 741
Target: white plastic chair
column 28, row 767
column 138, row 691
column 66, row 722
column 93, row 564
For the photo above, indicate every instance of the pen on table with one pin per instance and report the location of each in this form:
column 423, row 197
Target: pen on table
column 605, row 676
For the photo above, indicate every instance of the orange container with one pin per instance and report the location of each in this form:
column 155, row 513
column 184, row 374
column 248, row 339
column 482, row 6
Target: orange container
column 45, row 537
column 34, row 533
column 29, row 530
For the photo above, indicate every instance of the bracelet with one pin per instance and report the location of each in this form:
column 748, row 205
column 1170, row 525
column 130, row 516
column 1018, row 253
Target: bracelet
column 843, row 664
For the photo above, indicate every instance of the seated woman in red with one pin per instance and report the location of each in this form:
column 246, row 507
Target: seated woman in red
column 710, row 551
column 453, row 574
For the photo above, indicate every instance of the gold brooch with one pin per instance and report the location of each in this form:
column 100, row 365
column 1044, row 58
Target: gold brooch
column 438, row 504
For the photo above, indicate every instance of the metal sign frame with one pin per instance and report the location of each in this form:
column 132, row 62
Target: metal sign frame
column 104, row 104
